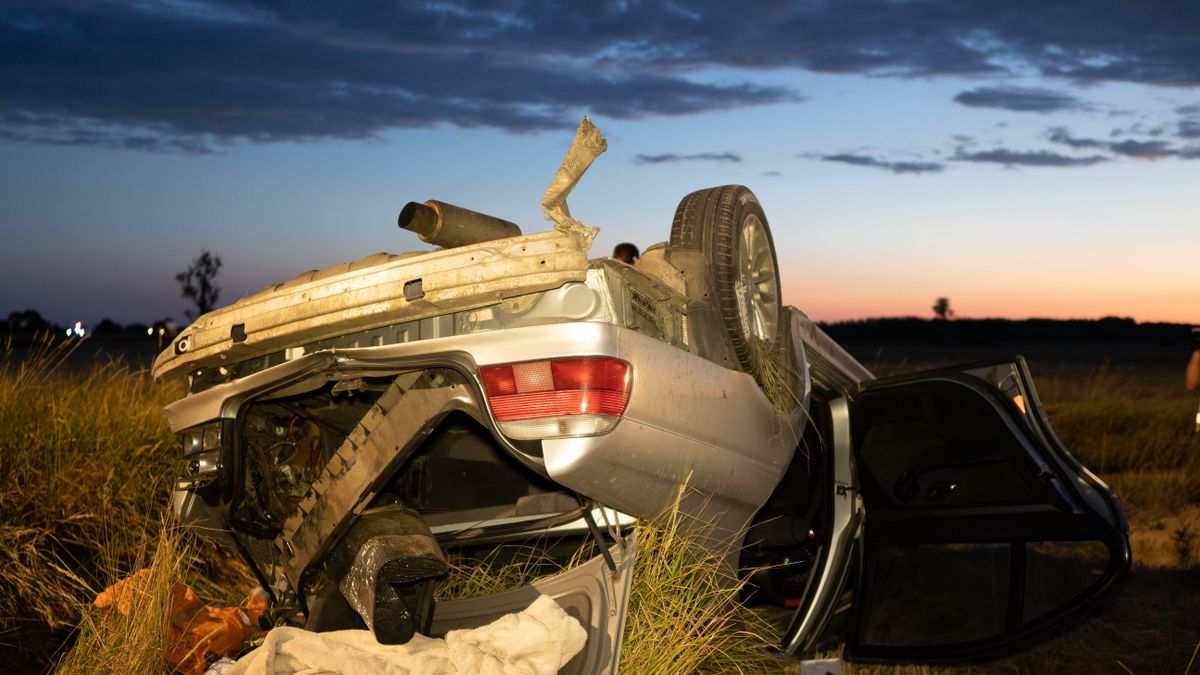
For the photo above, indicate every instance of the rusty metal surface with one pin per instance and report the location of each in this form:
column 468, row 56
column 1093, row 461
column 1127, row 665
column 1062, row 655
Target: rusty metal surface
column 447, row 225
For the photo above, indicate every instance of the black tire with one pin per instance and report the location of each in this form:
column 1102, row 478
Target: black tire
column 715, row 222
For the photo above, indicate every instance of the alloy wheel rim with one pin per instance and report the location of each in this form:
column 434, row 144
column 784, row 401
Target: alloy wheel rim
column 755, row 286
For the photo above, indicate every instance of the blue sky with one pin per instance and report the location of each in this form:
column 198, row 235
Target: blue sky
column 1022, row 159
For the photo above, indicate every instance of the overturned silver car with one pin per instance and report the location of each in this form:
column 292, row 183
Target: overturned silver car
column 345, row 429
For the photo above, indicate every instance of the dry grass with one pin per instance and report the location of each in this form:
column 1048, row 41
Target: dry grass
column 502, row 569
column 110, row 641
column 86, row 460
column 82, row 460
column 684, row 615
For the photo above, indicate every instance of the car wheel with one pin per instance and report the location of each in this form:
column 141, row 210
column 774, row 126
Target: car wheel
column 728, row 226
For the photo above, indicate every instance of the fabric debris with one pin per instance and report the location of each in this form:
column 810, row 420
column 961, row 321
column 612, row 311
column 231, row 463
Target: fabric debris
column 196, row 633
column 221, row 666
column 539, row 640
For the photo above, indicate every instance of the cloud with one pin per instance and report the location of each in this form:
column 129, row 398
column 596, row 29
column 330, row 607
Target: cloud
column 58, row 130
column 1139, row 129
column 672, row 158
column 1189, row 122
column 1143, row 149
column 1018, row 99
column 180, row 79
column 1061, row 136
column 1154, row 149
column 899, row 167
column 175, row 75
column 1012, row 158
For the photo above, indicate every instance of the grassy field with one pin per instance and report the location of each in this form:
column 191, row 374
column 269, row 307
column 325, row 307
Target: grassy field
column 86, row 460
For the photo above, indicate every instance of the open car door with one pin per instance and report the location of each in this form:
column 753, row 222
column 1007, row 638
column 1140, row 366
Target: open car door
column 981, row 530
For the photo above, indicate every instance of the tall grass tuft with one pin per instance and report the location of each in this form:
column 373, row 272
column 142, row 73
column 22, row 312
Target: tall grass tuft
column 684, row 615
column 134, row 641
column 777, row 379
column 84, row 457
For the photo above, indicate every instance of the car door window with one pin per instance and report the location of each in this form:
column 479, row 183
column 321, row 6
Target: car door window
column 931, row 594
column 977, row 533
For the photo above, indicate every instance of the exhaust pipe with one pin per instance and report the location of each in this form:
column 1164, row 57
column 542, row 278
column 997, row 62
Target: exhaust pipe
column 447, row 225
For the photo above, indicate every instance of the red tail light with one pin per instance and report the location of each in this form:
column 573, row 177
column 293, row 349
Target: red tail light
column 556, row 398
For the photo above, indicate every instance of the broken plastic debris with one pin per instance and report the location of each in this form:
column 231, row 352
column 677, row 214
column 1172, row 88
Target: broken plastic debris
column 589, row 144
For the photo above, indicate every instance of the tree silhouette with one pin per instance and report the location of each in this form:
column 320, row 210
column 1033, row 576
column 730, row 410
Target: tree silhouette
column 30, row 321
column 942, row 309
column 198, row 283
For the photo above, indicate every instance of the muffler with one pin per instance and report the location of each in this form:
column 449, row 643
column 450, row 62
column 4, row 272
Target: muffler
column 447, row 225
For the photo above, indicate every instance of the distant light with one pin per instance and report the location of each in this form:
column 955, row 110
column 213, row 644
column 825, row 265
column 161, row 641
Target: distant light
column 150, row 331
column 77, row 330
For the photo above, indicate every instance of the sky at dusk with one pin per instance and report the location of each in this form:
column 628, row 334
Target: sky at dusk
column 1024, row 159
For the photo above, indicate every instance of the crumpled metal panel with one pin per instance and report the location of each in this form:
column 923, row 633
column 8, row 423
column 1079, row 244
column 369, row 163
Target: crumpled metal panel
column 585, row 148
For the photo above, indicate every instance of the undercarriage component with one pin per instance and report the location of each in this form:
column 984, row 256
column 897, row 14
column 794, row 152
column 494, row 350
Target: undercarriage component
column 379, row 444
column 387, row 562
column 449, row 226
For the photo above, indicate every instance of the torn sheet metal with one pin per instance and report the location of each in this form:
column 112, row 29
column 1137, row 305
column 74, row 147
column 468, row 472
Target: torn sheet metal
column 587, row 146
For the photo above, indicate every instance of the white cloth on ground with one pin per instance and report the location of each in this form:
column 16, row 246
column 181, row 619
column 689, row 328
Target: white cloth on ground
column 538, row 640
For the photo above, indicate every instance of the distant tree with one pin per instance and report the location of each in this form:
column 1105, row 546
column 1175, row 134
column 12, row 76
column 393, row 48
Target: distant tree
column 28, row 321
column 198, row 282
column 107, row 327
column 942, row 310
